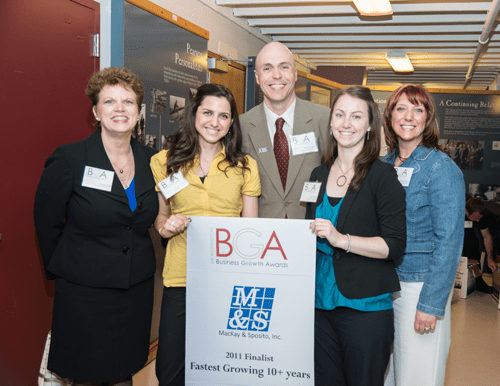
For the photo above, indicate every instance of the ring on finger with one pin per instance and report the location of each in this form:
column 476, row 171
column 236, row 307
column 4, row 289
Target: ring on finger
column 426, row 328
column 172, row 223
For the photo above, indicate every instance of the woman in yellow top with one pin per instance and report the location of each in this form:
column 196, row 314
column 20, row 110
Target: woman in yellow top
column 223, row 181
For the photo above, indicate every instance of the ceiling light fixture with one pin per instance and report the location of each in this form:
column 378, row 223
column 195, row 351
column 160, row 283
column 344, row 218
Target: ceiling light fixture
column 373, row 7
column 399, row 61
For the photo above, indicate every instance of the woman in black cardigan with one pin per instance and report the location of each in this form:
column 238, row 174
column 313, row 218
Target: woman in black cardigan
column 94, row 205
column 359, row 218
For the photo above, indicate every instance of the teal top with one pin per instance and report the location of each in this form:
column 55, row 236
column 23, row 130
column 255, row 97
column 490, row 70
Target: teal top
column 328, row 296
column 132, row 201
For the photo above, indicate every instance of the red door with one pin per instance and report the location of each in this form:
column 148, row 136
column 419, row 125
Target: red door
column 44, row 67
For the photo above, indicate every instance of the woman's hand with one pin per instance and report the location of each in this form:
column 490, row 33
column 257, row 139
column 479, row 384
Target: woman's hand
column 372, row 247
column 325, row 229
column 424, row 322
column 176, row 223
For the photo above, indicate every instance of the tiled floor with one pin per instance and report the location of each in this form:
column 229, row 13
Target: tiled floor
column 474, row 358
column 475, row 343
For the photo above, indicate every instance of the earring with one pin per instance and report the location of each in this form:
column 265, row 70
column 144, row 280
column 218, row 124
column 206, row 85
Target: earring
column 367, row 135
column 331, row 131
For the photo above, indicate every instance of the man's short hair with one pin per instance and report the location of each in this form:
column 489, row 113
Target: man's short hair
column 475, row 204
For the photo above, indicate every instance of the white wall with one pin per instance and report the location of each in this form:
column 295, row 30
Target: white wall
column 105, row 32
column 220, row 23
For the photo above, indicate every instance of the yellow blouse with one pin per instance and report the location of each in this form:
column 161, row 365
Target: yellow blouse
column 218, row 196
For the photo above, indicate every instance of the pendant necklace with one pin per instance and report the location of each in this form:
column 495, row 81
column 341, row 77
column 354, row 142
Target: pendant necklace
column 121, row 170
column 125, row 185
column 343, row 175
column 203, row 171
column 403, row 160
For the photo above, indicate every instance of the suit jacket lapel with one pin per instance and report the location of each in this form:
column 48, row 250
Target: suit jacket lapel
column 97, row 157
column 259, row 136
column 144, row 180
column 301, row 125
column 345, row 208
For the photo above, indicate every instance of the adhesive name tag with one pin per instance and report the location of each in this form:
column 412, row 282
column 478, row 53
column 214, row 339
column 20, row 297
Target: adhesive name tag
column 96, row 178
column 310, row 192
column 404, row 175
column 468, row 224
column 173, row 184
column 304, row 143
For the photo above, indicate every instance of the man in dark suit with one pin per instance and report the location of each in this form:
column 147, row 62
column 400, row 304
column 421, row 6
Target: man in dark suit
column 464, row 153
column 275, row 132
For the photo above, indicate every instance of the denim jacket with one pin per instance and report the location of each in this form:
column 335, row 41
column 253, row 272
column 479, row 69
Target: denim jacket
column 435, row 210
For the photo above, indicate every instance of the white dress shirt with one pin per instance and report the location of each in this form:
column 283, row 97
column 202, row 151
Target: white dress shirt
column 287, row 127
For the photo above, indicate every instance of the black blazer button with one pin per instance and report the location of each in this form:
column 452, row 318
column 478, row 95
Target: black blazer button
column 337, row 255
column 128, row 227
column 126, row 250
column 140, row 205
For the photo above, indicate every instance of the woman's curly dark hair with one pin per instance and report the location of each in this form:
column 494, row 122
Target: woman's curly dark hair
column 184, row 145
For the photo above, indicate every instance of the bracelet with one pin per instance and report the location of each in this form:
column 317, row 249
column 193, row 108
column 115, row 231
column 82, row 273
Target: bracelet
column 348, row 243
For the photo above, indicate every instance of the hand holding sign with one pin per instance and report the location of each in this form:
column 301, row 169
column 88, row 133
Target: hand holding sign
column 325, row 229
column 175, row 224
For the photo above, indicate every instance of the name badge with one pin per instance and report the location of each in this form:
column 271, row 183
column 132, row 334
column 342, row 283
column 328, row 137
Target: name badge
column 99, row 179
column 310, row 192
column 304, row 143
column 173, row 184
column 468, row 224
column 404, row 175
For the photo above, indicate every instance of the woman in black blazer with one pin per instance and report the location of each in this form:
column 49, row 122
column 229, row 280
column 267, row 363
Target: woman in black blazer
column 93, row 208
column 359, row 218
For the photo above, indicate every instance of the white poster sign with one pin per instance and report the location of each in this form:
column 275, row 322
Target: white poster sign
column 250, row 302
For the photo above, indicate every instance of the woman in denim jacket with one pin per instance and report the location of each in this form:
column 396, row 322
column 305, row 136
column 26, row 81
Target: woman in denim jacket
column 435, row 208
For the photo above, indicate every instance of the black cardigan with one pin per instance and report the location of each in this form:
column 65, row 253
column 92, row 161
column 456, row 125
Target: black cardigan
column 377, row 209
column 88, row 236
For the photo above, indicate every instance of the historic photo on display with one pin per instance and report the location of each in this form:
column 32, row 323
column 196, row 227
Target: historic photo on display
column 140, row 128
column 177, row 107
column 159, row 104
column 467, row 153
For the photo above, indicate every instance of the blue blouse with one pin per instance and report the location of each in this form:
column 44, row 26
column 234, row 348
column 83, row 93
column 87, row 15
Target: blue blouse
column 132, row 201
column 328, row 296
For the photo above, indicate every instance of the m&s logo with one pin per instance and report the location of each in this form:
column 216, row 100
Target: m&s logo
column 251, row 308
column 242, row 244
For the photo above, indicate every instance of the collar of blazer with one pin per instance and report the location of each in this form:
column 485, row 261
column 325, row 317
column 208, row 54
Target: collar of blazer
column 97, row 157
column 346, row 204
column 259, row 135
column 344, row 209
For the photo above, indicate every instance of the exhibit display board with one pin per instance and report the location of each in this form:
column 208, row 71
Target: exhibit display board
column 169, row 55
column 250, row 302
column 470, row 133
column 171, row 62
